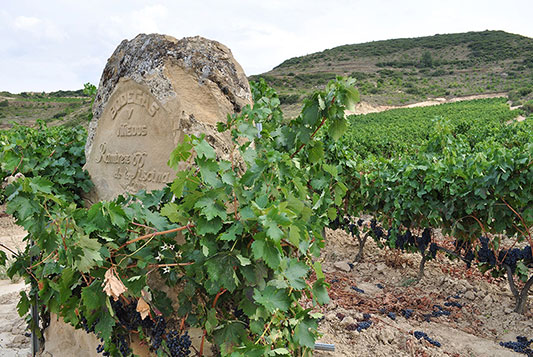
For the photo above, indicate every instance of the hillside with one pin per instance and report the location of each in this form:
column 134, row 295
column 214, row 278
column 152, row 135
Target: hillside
column 60, row 107
column 403, row 71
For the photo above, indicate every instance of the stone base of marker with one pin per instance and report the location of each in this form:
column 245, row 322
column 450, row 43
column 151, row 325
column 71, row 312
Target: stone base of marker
column 63, row 340
column 154, row 90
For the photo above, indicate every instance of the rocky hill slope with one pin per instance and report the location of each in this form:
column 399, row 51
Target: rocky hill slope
column 404, row 71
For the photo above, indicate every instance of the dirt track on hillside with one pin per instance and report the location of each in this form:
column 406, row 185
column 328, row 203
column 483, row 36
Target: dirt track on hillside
column 366, row 108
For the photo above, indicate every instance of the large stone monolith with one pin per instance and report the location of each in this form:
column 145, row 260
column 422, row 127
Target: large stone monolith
column 154, row 89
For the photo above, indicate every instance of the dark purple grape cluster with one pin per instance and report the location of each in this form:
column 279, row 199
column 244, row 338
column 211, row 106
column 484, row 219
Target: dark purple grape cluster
column 128, row 316
column 391, row 315
column 84, row 324
column 100, row 348
column 512, row 256
column 179, row 346
column 439, row 311
column 366, row 323
column 363, row 325
column 469, row 257
column 123, row 345
column 522, row 345
column 485, row 253
column 158, row 332
column 453, row 303
column 420, row 334
column 361, row 291
column 376, row 230
column 407, row 313
column 423, row 242
column 379, row 286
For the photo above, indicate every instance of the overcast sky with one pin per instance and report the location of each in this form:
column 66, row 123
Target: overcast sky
column 61, row 44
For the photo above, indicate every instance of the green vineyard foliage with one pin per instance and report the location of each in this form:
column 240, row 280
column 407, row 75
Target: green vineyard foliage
column 252, row 226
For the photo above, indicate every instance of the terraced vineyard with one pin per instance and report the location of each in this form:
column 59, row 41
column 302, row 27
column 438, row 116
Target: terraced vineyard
column 397, row 131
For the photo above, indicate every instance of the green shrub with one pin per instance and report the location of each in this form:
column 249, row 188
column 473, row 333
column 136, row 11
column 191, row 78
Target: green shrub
column 528, row 107
column 289, row 98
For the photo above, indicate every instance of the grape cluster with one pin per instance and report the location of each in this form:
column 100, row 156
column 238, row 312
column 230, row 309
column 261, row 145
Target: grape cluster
column 511, row 257
column 361, row 291
column 366, row 323
column 469, row 256
column 453, row 303
column 344, row 223
column 85, row 325
column 439, row 311
column 391, row 315
column 128, row 316
column 121, row 341
column 100, row 348
column 363, row 325
column 158, row 332
column 407, row 313
column 179, row 346
column 420, row 334
column 360, row 326
column 376, row 230
column 485, row 254
column 522, row 345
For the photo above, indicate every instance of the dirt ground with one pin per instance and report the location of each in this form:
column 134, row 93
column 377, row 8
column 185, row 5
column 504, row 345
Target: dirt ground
column 13, row 339
column 366, row 108
column 475, row 329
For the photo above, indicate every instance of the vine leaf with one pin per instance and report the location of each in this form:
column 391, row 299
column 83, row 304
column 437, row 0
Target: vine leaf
column 92, row 297
column 203, row 149
column 23, row 305
column 105, row 326
column 272, row 299
column 295, row 272
column 143, row 308
column 113, row 286
column 303, row 335
column 337, row 128
column 91, row 255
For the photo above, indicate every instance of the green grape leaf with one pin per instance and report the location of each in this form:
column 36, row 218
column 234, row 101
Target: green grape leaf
column 23, row 305
column 204, row 150
column 104, row 327
column 272, row 299
column 93, row 296
column 320, row 292
column 337, row 128
column 303, row 333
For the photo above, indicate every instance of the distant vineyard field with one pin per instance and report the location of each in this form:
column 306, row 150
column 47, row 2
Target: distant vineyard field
column 404, row 130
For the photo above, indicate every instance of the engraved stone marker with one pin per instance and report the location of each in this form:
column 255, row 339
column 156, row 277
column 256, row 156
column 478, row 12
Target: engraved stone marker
column 132, row 143
column 153, row 91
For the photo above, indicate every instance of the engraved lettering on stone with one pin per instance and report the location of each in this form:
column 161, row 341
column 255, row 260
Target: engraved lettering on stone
column 134, row 97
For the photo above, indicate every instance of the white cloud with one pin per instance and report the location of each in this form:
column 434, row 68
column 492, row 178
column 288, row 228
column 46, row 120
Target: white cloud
column 149, row 18
column 26, row 23
column 61, row 44
column 43, row 29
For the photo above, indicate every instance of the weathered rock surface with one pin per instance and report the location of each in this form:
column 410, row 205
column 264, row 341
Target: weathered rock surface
column 13, row 341
column 154, row 90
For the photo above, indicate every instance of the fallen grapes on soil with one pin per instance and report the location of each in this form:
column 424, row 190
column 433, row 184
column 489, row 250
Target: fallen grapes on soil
column 522, row 345
column 420, row 334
